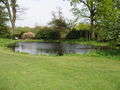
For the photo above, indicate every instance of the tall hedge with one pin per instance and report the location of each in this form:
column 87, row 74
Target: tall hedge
column 47, row 33
column 75, row 34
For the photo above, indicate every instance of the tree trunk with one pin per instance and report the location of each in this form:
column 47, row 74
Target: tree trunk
column 13, row 28
column 92, row 28
column 11, row 7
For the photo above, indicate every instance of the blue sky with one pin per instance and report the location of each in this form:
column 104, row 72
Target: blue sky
column 38, row 12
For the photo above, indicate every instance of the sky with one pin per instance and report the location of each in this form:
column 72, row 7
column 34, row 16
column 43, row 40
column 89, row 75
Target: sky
column 38, row 12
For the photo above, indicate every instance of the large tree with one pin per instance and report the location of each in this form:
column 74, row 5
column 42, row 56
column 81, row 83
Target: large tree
column 109, row 19
column 4, row 32
column 88, row 10
column 101, row 13
column 11, row 6
column 58, row 23
column 3, row 15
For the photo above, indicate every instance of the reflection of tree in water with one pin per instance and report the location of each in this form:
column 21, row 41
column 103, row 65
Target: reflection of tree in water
column 60, row 49
column 51, row 48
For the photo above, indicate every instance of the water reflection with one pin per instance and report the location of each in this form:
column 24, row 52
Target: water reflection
column 52, row 48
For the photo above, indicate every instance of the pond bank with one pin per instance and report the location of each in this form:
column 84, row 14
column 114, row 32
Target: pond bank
column 109, row 53
column 94, row 43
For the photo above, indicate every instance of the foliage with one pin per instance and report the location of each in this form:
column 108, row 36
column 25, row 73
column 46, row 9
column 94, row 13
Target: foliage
column 3, row 15
column 58, row 20
column 59, row 24
column 86, row 9
column 104, row 16
column 108, row 17
column 20, row 31
column 75, row 34
column 71, row 23
column 47, row 33
column 4, row 31
column 12, row 9
column 82, row 26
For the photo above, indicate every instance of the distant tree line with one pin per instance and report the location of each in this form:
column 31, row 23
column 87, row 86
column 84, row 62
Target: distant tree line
column 102, row 24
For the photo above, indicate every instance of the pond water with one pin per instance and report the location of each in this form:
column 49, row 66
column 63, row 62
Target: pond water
column 52, row 48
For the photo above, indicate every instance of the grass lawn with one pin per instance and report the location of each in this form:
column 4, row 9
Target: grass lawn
column 32, row 72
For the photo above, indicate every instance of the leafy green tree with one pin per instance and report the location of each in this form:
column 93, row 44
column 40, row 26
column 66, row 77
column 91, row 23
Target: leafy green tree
column 4, row 32
column 88, row 10
column 108, row 16
column 58, row 23
column 12, row 9
column 103, row 15
column 47, row 33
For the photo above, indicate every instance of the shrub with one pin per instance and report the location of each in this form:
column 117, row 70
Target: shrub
column 20, row 35
column 28, row 35
column 75, row 34
column 47, row 33
column 54, row 35
column 15, row 35
column 4, row 32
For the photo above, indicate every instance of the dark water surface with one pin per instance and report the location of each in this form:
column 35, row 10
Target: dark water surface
column 52, row 48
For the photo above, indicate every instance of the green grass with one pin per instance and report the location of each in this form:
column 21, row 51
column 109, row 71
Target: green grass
column 70, row 72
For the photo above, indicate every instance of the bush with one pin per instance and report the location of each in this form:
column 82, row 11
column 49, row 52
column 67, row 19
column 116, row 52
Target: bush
column 28, row 35
column 75, row 34
column 54, row 35
column 4, row 32
column 47, row 33
column 111, row 33
column 15, row 35
column 20, row 35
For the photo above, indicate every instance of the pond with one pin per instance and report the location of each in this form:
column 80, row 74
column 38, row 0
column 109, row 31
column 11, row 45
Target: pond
column 46, row 48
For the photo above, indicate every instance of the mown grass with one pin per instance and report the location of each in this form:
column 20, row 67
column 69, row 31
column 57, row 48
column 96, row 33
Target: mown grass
column 69, row 72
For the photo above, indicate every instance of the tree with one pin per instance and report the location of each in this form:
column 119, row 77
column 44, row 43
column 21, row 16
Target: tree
column 88, row 10
column 117, row 2
column 4, row 32
column 109, row 19
column 59, row 24
column 58, row 20
column 11, row 6
column 3, row 15
column 71, row 23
